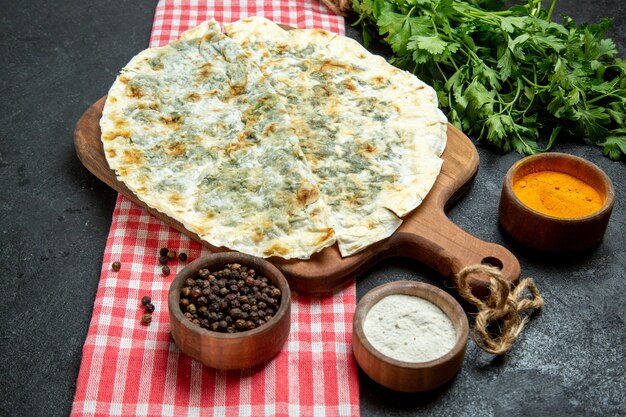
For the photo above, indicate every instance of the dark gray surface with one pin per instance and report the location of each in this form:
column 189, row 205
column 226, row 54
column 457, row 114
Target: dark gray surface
column 59, row 57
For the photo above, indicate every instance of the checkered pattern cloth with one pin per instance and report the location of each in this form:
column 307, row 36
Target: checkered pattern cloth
column 132, row 369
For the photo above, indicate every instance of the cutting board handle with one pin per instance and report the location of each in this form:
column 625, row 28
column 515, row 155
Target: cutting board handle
column 448, row 249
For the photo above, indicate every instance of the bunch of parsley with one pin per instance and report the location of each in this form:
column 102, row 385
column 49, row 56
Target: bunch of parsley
column 511, row 76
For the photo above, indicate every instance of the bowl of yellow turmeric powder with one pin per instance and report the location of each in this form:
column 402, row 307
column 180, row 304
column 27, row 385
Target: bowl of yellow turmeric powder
column 555, row 202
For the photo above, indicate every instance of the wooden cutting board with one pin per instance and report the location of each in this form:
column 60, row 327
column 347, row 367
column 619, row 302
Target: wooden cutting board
column 426, row 234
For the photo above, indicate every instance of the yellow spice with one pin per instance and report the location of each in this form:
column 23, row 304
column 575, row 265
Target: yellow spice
column 557, row 194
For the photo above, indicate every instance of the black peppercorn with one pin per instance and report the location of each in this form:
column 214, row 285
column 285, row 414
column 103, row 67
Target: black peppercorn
column 165, row 270
column 145, row 300
column 163, row 251
column 146, row 318
column 182, row 256
column 163, row 260
column 149, row 307
column 116, row 266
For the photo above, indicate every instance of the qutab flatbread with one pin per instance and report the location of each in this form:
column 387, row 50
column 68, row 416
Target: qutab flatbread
column 274, row 143
column 372, row 134
column 196, row 132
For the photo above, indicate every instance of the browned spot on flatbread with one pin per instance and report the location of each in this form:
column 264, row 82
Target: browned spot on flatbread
column 306, row 195
column 203, row 229
column 175, row 149
column 281, row 48
column 276, row 249
column 194, row 97
column 257, row 236
column 205, row 70
column 240, row 144
column 176, row 199
column 120, row 123
column 349, row 85
column 245, row 54
column 132, row 157
column 111, row 153
column 328, row 233
column 369, row 149
column 236, row 90
column 153, row 105
column 330, row 65
column 124, row 79
column 320, row 32
column 109, row 136
column 270, row 129
column 134, row 91
column 353, row 200
column 173, row 120
column 379, row 79
column 322, row 90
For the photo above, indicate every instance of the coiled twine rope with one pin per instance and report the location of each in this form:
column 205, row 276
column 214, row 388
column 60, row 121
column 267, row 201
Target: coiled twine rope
column 503, row 307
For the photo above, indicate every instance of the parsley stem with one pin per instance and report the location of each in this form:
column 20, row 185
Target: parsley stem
column 442, row 72
column 600, row 97
column 510, row 103
column 540, row 87
column 550, row 9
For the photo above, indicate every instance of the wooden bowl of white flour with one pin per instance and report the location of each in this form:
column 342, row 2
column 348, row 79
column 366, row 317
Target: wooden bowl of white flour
column 409, row 336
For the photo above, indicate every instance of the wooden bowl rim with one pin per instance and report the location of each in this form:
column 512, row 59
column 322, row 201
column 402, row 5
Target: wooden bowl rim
column 222, row 258
column 606, row 208
column 399, row 287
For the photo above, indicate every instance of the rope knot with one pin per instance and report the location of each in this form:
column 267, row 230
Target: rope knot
column 503, row 306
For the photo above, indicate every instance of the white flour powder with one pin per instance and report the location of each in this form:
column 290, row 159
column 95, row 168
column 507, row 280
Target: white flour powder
column 409, row 329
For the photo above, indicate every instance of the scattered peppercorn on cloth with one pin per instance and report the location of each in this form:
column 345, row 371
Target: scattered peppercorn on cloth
column 133, row 369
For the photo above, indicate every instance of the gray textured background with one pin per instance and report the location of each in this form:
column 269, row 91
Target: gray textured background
column 56, row 58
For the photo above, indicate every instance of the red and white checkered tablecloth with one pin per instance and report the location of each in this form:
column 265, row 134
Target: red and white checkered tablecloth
column 131, row 369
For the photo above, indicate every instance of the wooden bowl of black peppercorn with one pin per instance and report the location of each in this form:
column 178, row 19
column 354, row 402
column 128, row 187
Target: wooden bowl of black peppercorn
column 230, row 310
